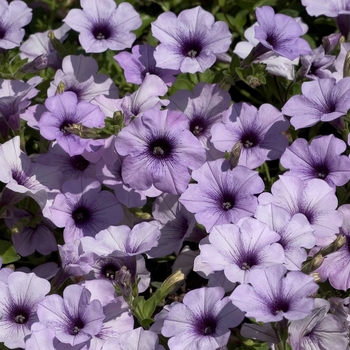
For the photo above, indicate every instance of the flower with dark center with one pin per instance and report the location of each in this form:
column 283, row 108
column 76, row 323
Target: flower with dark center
column 270, row 296
column 190, row 41
column 221, row 197
column 19, row 298
column 202, row 321
column 159, row 150
column 73, row 318
column 102, row 25
column 258, row 130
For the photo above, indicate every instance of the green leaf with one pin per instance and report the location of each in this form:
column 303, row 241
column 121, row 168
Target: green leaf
column 145, row 323
column 8, row 252
column 149, row 307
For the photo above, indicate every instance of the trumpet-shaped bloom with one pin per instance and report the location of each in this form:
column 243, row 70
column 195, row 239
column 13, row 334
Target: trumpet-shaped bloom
column 102, row 25
column 190, row 41
column 159, row 150
column 270, row 296
column 202, row 321
column 321, row 100
column 222, row 197
column 13, row 17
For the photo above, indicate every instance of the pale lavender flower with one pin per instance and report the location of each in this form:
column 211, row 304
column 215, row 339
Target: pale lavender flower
column 321, row 100
column 19, row 298
column 41, row 337
column 134, row 105
column 222, row 197
column 203, row 107
column 202, row 320
column 259, row 131
column 39, row 46
column 320, row 330
column 270, row 296
column 279, row 33
column 102, row 25
column 70, row 167
column 176, row 224
column 25, row 178
column 74, row 318
column 84, row 210
column 315, row 199
column 336, row 266
column 239, row 249
column 159, row 150
column 339, row 62
column 13, row 17
column 140, row 63
column 190, row 41
column 314, row 65
column 321, row 159
column 79, row 75
column 63, row 111
column 32, row 237
column 295, row 231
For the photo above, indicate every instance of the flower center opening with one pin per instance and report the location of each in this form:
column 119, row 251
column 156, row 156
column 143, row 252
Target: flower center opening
column 65, row 125
column 2, row 32
column 109, row 269
column 248, row 261
column 198, row 126
column 81, row 216
column 191, row 48
column 76, row 326
column 101, row 32
column 79, row 162
column 249, row 140
column 227, row 202
column 21, row 318
column 160, row 148
column 206, row 325
column 21, row 178
column 279, row 306
column 321, row 171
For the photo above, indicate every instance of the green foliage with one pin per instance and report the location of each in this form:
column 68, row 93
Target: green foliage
column 7, row 252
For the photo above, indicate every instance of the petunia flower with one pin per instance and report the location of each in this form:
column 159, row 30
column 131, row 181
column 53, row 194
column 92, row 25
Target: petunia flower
column 74, row 318
column 65, row 110
column 19, row 298
column 102, row 25
column 190, row 41
column 238, row 249
column 83, row 210
column 159, row 150
column 278, row 33
column 222, row 197
column 13, row 16
column 258, row 130
column 321, row 100
column 140, row 63
column 202, row 321
column 321, row 159
column 203, row 107
column 270, row 296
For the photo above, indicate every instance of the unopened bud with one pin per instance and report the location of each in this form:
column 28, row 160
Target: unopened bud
column 39, row 63
column 61, row 88
column 346, row 68
column 253, row 81
column 234, row 155
column 313, row 264
column 123, row 282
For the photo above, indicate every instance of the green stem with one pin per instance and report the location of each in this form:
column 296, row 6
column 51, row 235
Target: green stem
column 267, row 172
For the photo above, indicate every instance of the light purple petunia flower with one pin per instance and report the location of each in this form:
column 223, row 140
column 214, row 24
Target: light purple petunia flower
column 336, row 266
column 102, row 25
column 84, row 210
column 159, row 150
column 25, row 178
column 32, row 237
column 321, row 159
column 190, row 41
column 222, row 197
column 13, row 17
column 279, row 33
column 270, row 296
column 295, row 231
column 74, row 318
column 39, row 50
column 202, row 321
column 140, row 63
column 203, row 107
column 41, row 337
column 321, row 100
column 238, row 249
column 19, row 298
column 315, row 199
column 259, row 131
column 79, row 75
column 63, row 111
column 320, row 330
